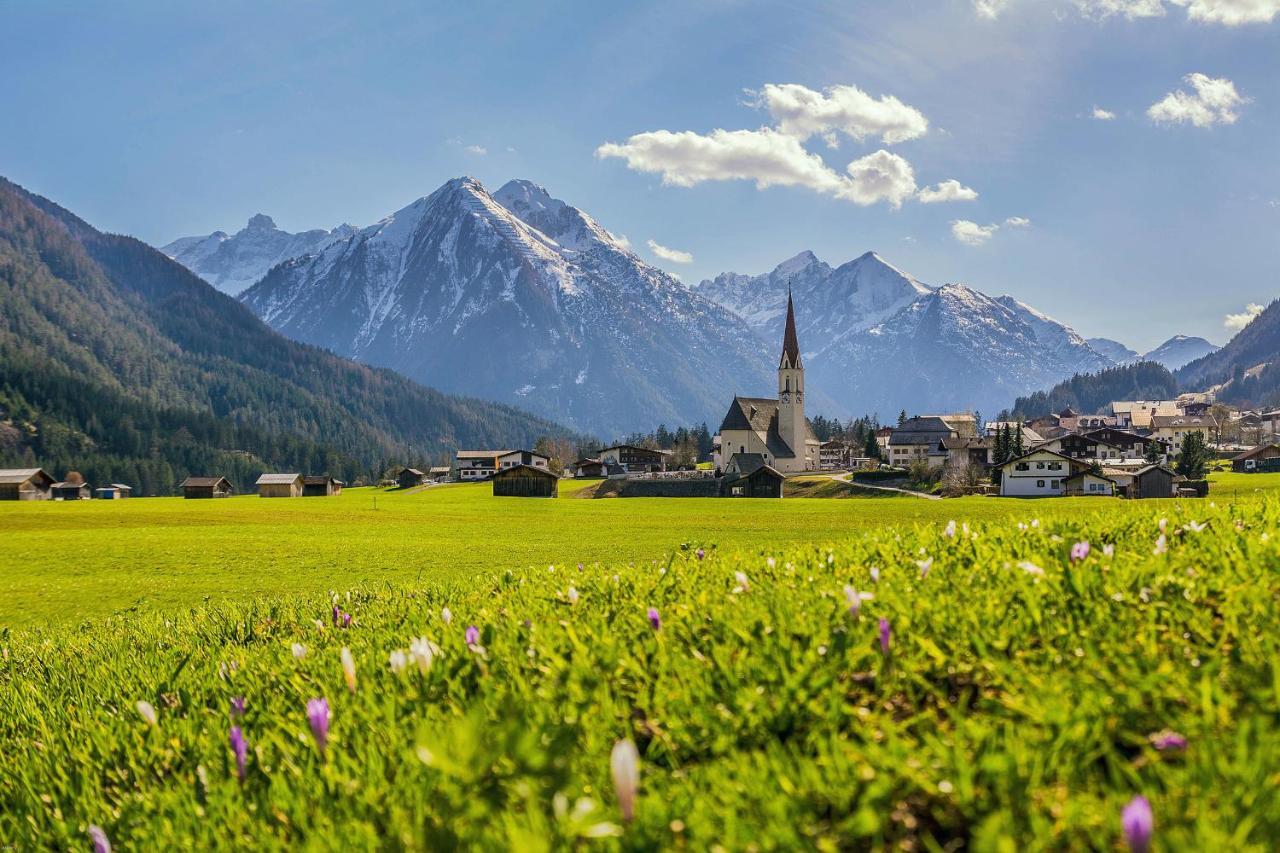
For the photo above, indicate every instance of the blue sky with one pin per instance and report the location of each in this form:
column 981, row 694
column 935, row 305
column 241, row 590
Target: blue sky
column 160, row 121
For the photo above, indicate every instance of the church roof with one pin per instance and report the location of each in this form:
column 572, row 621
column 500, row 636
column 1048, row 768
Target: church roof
column 760, row 415
column 790, row 343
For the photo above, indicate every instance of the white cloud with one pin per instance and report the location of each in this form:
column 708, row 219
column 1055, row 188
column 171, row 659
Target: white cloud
column 1236, row 322
column 1103, row 115
column 1018, row 222
column 621, row 239
column 989, row 9
column 476, row 149
column 1215, row 101
column 949, row 190
column 1131, row 9
column 971, row 233
column 878, row 177
column 1231, row 13
column 802, row 112
column 674, row 255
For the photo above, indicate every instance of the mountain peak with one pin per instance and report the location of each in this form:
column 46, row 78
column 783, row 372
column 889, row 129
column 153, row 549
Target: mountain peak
column 261, row 222
column 520, row 191
column 794, row 264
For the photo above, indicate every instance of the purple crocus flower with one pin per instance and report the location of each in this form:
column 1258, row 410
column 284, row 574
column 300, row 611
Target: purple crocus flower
column 1138, row 824
column 346, row 620
column 885, row 634
column 1168, row 741
column 318, row 717
column 1079, row 551
column 99, row 838
column 337, row 615
column 241, row 750
column 701, row 553
column 655, row 619
column 473, row 635
column 237, row 707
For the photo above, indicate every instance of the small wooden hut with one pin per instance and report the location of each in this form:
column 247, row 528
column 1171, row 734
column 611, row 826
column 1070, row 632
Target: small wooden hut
column 525, row 481
column 279, row 486
column 1153, row 481
column 194, row 488
column 409, row 478
column 68, row 491
column 588, row 468
column 25, row 484
column 747, row 476
column 113, row 492
column 318, row 486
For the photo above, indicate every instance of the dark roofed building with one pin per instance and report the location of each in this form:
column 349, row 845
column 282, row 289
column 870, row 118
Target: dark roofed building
column 279, row 486
column 25, row 484
column 920, row 438
column 1153, row 481
column 758, row 417
column 525, row 481
column 322, row 485
column 410, row 477
column 113, row 492
column 1254, row 459
column 635, row 459
column 206, row 487
column 68, row 491
column 588, row 468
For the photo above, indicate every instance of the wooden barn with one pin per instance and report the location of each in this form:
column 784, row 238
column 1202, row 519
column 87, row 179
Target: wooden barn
column 113, row 492
column 525, row 481
column 321, row 486
column 25, row 484
column 747, row 476
column 438, row 474
column 408, row 478
column 1254, row 459
column 194, row 488
column 279, row 486
column 1153, row 481
column 67, row 491
column 588, row 468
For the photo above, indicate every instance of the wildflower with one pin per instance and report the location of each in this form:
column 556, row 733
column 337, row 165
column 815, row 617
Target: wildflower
column 743, row 583
column 1108, row 550
column 422, row 652
column 771, row 562
column 875, row 574
column 1164, row 522
column 147, row 711
column 924, row 565
column 241, row 750
column 473, row 635
column 950, row 530
column 855, row 600
column 99, row 838
column 1035, row 522
column 299, row 651
column 318, row 717
column 1031, row 568
column 1196, row 527
column 346, row 620
column 655, row 620
column 1168, row 740
column 579, row 566
column 572, row 595
column 700, row 553
column 337, row 615
column 348, row 668
column 237, row 706
column 885, row 634
column 1162, row 545
column 447, row 615
column 624, row 765
column 398, row 661
column 1138, row 824
column 1079, row 551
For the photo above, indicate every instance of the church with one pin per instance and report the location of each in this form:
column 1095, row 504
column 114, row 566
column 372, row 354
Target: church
column 774, row 432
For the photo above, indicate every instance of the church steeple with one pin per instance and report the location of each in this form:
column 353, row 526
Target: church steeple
column 790, row 344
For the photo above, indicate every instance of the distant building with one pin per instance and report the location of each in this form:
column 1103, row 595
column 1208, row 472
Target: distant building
column 279, row 486
column 525, row 481
column 206, row 487
column 882, row 439
column 1174, row 428
column 68, row 491
column 1130, row 444
column 588, row 468
column 837, row 454
column 1257, row 459
column 1137, row 414
column 748, row 476
column 1154, row 481
column 635, row 460
column 439, row 473
column 920, row 439
column 1037, row 473
column 477, row 464
column 25, row 484
column 322, row 485
column 408, row 478
column 1086, row 484
column 532, row 458
column 113, row 492
column 964, row 451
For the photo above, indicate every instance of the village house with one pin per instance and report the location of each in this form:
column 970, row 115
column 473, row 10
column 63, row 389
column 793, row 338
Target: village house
column 838, row 455
column 24, row 484
column 279, row 485
column 195, row 488
column 525, row 481
column 68, row 491
column 964, row 424
column 964, row 451
column 748, row 476
column 1038, row 473
column 1087, row 447
column 533, row 459
column 113, row 492
column 587, row 468
column 1174, row 428
column 1030, row 437
column 1130, row 444
column 410, row 478
column 1264, row 457
column 321, row 485
column 633, row 459
column 476, row 465
column 777, row 429
column 1137, row 414
column 438, row 473
column 1089, row 484
column 920, row 438
column 882, row 439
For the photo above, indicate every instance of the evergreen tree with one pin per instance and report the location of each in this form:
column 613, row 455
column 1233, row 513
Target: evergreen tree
column 902, row 417
column 871, row 448
column 1193, row 461
column 1017, row 448
column 1154, row 452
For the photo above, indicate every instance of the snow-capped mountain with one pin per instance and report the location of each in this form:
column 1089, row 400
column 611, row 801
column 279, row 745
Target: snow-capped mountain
column 878, row 340
column 519, row 297
column 1180, row 350
column 1114, row 350
column 232, row 263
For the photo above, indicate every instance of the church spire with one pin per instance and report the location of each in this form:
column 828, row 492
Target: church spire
column 790, row 344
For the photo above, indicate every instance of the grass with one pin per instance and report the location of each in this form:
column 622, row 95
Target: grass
column 1023, row 700
column 69, row 561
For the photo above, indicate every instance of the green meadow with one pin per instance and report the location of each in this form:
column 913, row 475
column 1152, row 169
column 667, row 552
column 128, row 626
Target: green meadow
column 80, row 560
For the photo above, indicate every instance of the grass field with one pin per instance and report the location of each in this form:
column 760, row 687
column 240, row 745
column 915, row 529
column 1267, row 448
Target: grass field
column 67, row 561
column 996, row 689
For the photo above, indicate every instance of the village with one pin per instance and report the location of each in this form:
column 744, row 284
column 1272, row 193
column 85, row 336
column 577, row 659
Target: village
column 1134, row 449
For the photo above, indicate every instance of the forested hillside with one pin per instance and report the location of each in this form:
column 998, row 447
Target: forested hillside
column 1248, row 364
column 119, row 363
column 1089, row 393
